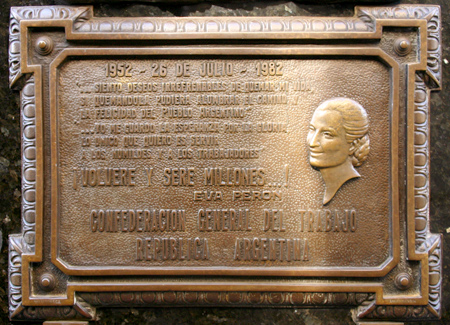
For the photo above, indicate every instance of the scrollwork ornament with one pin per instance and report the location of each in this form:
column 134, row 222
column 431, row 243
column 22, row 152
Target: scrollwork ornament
column 14, row 48
column 435, row 276
column 44, row 313
column 15, row 274
column 400, row 313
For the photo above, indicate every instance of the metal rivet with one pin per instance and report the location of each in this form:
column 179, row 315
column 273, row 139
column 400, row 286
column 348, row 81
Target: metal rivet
column 403, row 281
column 44, row 45
column 402, row 46
column 47, row 282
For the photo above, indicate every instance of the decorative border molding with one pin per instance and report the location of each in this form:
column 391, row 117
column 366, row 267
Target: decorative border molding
column 14, row 49
column 435, row 275
column 15, row 274
column 399, row 313
column 425, row 242
column 28, row 117
column 49, row 12
column 367, row 23
column 25, row 242
column 45, row 313
column 212, row 298
column 222, row 25
column 421, row 162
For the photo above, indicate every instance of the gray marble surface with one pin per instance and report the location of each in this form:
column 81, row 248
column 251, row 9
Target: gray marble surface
column 10, row 165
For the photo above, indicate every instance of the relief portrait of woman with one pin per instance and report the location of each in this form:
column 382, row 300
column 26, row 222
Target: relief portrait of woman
column 338, row 141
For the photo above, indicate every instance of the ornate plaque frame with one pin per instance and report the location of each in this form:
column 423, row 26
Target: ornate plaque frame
column 406, row 287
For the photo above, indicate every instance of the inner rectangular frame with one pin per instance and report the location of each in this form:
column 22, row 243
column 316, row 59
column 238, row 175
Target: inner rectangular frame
column 353, row 51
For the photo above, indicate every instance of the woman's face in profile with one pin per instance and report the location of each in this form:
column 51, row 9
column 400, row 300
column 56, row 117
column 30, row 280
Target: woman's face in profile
column 328, row 146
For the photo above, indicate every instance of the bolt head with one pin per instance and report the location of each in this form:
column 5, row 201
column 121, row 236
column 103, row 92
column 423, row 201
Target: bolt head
column 403, row 281
column 47, row 282
column 402, row 46
column 42, row 44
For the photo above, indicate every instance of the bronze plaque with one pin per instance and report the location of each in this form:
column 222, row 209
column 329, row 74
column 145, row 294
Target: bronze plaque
column 216, row 161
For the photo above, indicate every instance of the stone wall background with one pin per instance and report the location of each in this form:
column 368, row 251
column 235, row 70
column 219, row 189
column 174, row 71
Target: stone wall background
column 10, row 164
